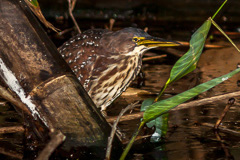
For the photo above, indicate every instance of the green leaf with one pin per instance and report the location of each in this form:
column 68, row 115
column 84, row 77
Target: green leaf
column 161, row 125
column 146, row 103
column 188, row 62
column 161, row 107
column 34, row 2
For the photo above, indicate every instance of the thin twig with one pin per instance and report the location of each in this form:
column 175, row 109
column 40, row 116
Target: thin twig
column 114, row 127
column 3, row 103
column 37, row 11
column 55, row 141
column 11, row 153
column 230, row 103
column 224, row 147
column 71, row 5
column 181, row 106
column 207, row 46
column 111, row 23
column 138, row 138
column 145, row 29
column 65, row 31
column 12, row 129
column 222, row 129
column 154, row 57
column 8, row 96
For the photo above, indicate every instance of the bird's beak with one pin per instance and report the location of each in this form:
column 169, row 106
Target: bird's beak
column 153, row 42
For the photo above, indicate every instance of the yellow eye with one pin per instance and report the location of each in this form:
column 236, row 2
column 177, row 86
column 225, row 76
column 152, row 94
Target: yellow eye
column 135, row 39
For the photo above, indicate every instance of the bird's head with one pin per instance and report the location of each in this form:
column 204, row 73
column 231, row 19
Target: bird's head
column 133, row 40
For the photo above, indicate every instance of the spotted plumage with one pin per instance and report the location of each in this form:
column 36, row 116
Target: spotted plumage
column 106, row 62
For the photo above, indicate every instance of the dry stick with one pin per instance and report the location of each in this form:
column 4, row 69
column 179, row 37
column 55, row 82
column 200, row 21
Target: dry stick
column 71, row 5
column 137, row 138
column 3, row 103
column 11, row 153
column 226, row 150
column 114, row 127
column 8, row 96
column 12, row 129
column 230, row 103
column 55, row 141
column 111, row 23
column 222, row 129
column 37, row 11
column 181, row 106
column 65, row 31
column 154, row 57
column 145, row 29
column 207, row 46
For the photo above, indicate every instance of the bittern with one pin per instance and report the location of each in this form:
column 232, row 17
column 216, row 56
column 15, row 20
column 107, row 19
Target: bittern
column 106, row 62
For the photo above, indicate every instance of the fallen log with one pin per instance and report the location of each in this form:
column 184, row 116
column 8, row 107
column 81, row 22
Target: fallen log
column 35, row 73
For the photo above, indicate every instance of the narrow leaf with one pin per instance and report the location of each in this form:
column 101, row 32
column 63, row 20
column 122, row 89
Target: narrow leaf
column 34, row 2
column 146, row 103
column 219, row 28
column 158, row 108
column 161, row 125
column 35, row 8
column 188, row 62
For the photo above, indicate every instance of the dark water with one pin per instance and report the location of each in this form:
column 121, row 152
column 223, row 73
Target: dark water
column 186, row 138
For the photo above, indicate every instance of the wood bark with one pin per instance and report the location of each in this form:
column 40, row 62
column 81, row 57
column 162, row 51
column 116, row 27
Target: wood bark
column 35, row 73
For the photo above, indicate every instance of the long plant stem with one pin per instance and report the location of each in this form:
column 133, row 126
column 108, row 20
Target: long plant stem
column 219, row 9
column 217, row 26
column 114, row 128
column 161, row 92
column 126, row 150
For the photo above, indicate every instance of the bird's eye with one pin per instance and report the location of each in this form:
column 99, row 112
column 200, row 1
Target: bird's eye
column 135, row 39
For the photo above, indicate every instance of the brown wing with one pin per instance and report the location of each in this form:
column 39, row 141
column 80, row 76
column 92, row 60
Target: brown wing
column 81, row 52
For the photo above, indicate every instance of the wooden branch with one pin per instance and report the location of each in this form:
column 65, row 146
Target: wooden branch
column 154, row 57
column 126, row 117
column 111, row 23
column 222, row 129
column 114, row 128
column 3, row 102
column 14, row 100
column 230, row 103
column 207, row 46
column 71, row 5
column 34, row 72
column 181, row 106
column 11, row 153
column 55, row 141
column 12, row 129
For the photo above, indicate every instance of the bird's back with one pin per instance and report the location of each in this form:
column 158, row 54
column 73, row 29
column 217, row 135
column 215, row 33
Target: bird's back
column 81, row 51
column 103, row 74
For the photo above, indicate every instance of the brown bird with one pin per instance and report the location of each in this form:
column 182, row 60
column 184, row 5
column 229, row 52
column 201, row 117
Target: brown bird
column 106, row 62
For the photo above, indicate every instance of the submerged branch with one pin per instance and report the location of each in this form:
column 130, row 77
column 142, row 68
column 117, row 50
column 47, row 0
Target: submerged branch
column 12, row 129
column 191, row 104
column 114, row 128
column 222, row 129
column 4, row 93
column 55, row 141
